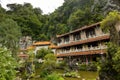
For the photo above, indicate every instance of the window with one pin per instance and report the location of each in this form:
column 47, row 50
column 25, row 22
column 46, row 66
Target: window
column 90, row 33
column 77, row 36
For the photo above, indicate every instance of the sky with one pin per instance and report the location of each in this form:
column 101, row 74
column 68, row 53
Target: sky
column 47, row 6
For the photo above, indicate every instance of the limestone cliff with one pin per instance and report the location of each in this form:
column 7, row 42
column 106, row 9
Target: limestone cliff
column 107, row 5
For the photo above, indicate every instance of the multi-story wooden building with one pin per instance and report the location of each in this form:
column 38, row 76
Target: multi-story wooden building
column 84, row 44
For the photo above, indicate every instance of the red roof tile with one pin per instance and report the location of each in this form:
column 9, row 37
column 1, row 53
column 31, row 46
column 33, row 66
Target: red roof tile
column 52, row 46
column 41, row 43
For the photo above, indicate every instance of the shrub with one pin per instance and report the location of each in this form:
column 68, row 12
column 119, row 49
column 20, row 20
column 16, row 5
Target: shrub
column 89, row 67
column 7, row 65
column 44, row 73
column 49, row 65
column 71, row 74
column 92, row 66
column 54, row 76
column 83, row 67
column 61, row 64
column 50, row 62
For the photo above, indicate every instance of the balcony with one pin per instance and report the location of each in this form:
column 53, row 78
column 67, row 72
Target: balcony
column 86, row 52
column 89, row 49
column 86, row 40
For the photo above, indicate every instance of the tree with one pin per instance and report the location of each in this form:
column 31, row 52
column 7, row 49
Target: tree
column 9, row 35
column 42, row 37
column 116, row 59
column 74, row 14
column 107, row 67
column 76, row 19
column 49, row 63
column 42, row 53
column 7, row 65
column 27, row 18
column 110, row 67
column 109, row 24
column 3, row 14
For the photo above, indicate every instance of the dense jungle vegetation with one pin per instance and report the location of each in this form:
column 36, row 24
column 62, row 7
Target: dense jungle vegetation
column 24, row 20
column 71, row 15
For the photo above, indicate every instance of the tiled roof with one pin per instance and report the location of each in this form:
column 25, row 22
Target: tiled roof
column 52, row 46
column 30, row 47
column 82, row 53
column 41, row 43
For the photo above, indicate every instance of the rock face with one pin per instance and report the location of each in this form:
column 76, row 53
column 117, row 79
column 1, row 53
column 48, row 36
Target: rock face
column 107, row 5
column 112, row 5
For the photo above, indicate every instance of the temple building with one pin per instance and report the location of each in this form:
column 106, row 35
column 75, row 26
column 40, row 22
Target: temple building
column 41, row 44
column 35, row 47
column 85, row 44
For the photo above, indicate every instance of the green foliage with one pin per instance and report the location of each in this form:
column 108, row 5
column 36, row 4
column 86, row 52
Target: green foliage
column 28, row 65
column 42, row 37
column 54, row 76
column 110, row 21
column 82, row 67
column 44, row 73
column 71, row 15
column 50, row 62
column 31, row 56
column 7, row 65
column 76, row 19
column 110, row 24
column 51, row 57
column 63, row 65
column 92, row 66
column 109, row 68
column 116, row 59
column 75, row 14
column 10, row 34
column 42, row 53
column 71, row 74
column 27, row 18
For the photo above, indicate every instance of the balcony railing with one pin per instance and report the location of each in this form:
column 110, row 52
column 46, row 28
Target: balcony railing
column 82, row 49
column 86, row 40
column 90, row 52
column 92, row 36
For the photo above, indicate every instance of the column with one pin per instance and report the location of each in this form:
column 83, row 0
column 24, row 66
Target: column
column 98, row 31
column 71, row 38
column 83, row 35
